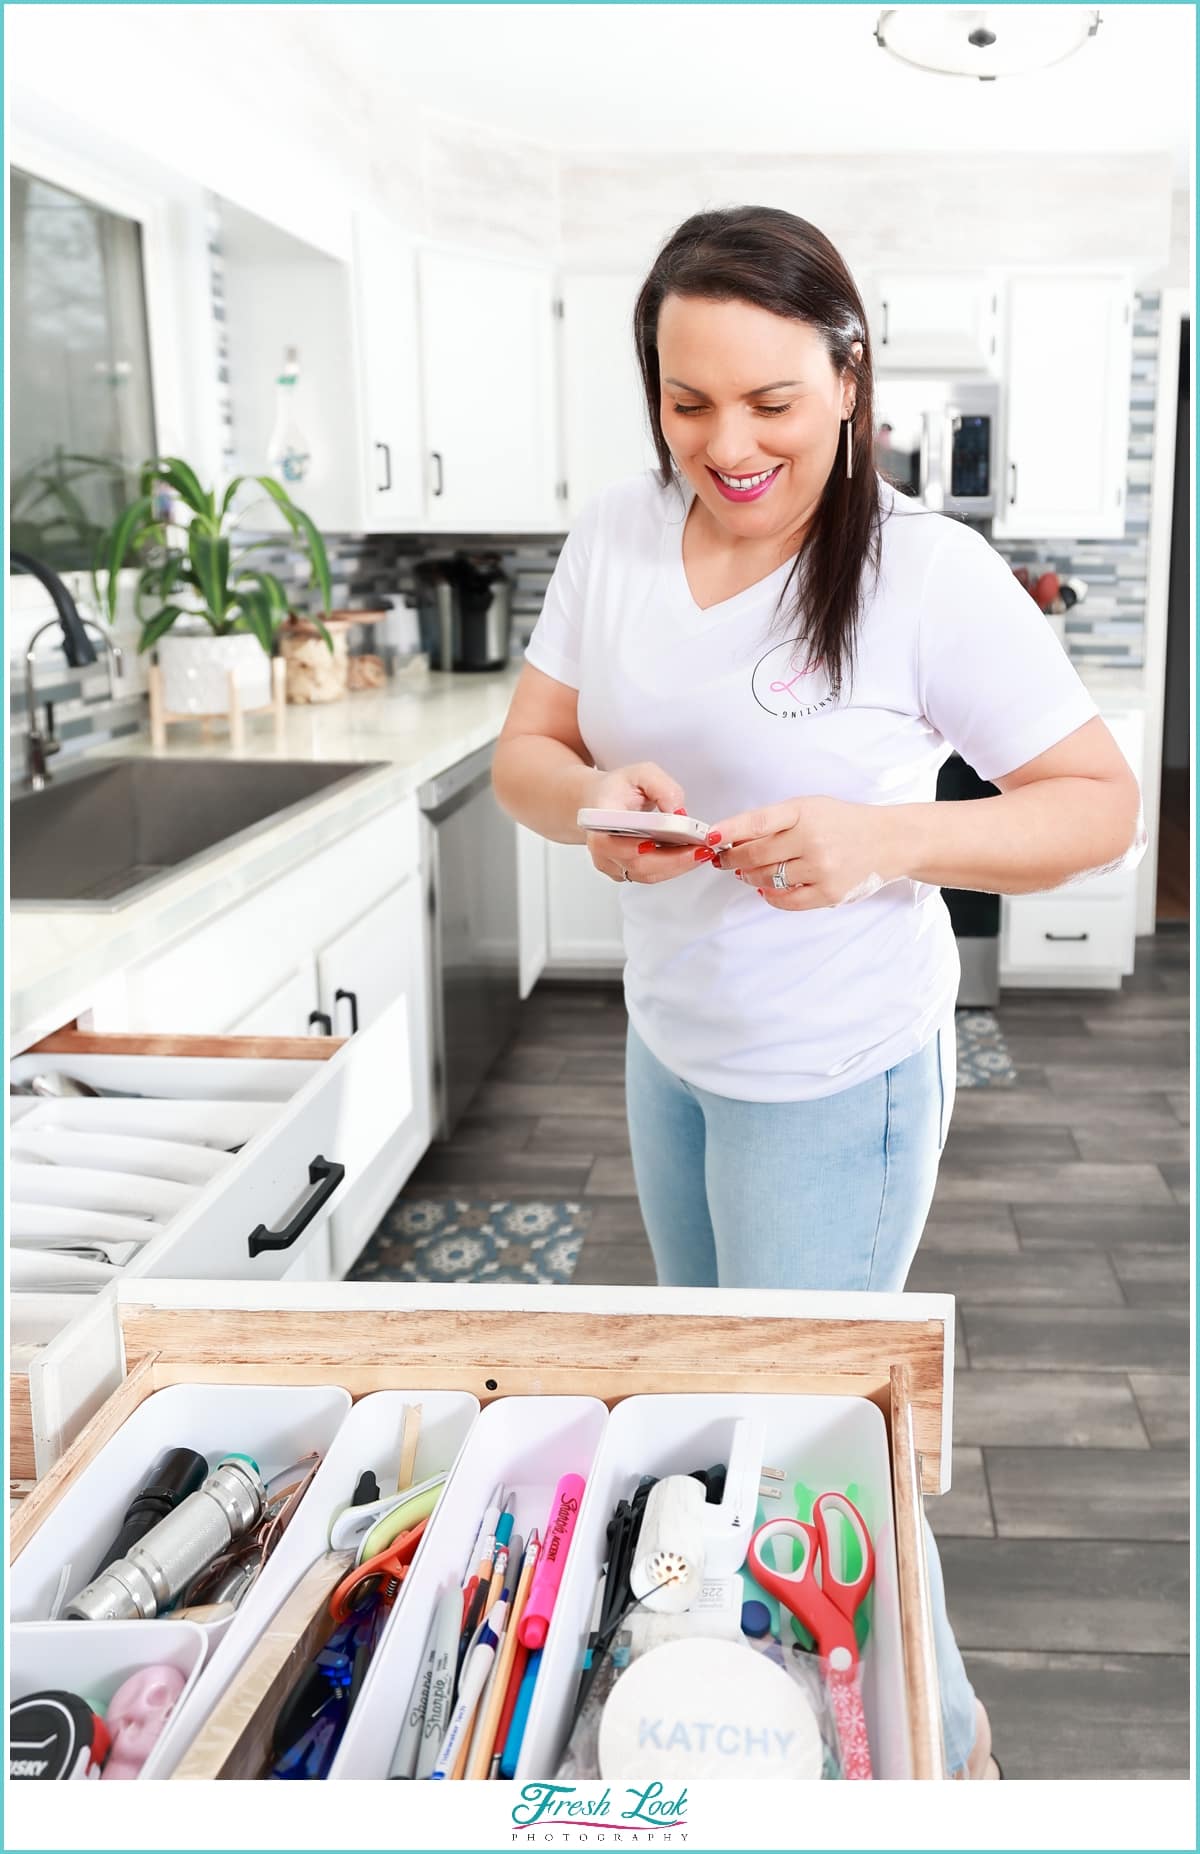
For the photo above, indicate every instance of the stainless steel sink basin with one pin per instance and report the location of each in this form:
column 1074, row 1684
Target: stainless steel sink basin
column 102, row 837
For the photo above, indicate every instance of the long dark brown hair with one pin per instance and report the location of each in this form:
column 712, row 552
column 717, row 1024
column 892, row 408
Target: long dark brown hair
column 762, row 255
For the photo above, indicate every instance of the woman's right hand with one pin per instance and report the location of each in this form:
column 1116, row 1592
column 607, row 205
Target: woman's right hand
column 644, row 787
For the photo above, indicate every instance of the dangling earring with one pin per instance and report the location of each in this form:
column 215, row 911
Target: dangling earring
column 849, row 447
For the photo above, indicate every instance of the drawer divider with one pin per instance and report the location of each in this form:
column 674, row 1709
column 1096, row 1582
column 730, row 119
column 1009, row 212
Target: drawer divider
column 916, row 1625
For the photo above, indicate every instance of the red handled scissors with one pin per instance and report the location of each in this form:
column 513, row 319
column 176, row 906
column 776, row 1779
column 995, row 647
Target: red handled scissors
column 827, row 1609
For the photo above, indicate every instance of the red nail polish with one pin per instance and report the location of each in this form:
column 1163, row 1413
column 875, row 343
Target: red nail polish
column 758, row 891
column 644, row 847
column 714, row 836
column 681, row 811
column 704, row 856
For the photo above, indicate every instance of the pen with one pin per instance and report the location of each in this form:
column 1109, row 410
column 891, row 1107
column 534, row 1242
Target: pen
column 485, row 1754
column 516, row 1731
column 482, row 1548
column 474, row 1678
column 441, row 1686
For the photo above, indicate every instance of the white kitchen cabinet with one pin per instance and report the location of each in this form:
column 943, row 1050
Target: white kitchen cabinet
column 487, row 365
column 389, row 376
column 605, row 432
column 533, row 937
column 211, row 980
column 583, row 913
column 1067, row 356
column 285, row 1011
column 937, row 322
column 379, row 967
column 1081, row 936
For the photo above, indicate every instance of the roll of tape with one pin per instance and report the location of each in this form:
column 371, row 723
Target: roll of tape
column 708, row 1708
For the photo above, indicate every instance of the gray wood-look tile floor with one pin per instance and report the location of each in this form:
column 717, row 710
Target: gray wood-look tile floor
column 1060, row 1225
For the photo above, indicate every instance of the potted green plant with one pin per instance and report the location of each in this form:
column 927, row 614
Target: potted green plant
column 200, row 601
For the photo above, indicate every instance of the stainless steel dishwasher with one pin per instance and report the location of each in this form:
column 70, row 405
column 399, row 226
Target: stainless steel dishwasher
column 470, row 850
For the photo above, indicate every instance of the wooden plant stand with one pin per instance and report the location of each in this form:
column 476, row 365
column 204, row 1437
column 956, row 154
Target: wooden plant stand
column 161, row 718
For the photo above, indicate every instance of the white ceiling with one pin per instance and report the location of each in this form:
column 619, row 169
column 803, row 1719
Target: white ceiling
column 755, row 79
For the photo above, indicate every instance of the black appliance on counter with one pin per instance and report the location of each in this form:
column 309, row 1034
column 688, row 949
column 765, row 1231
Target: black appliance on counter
column 464, row 610
column 974, row 917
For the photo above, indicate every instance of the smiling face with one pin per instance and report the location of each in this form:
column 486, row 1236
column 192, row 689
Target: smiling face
column 752, row 409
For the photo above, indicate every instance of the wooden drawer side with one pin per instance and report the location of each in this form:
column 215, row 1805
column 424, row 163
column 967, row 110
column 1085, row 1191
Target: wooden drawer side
column 916, row 1625
column 498, row 1354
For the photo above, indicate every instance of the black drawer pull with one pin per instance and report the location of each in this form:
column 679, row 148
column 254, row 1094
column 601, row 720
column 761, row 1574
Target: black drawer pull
column 1066, row 936
column 324, row 1019
column 381, row 489
column 327, row 1175
column 351, row 998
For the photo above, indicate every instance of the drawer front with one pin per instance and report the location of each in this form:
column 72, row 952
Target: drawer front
column 343, row 1116
column 1067, row 933
column 208, row 981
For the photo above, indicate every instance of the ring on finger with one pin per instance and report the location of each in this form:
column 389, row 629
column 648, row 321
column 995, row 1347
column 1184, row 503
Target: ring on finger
column 779, row 877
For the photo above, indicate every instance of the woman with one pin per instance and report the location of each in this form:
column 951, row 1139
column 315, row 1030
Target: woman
column 766, row 635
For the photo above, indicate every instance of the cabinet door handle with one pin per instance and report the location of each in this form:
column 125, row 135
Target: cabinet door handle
column 441, row 480
column 327, row 1175
column 1066, row 936
column 1012, row 482
column 351, row 998
column 381, row 489
column 883, row 339
column 324, row 1019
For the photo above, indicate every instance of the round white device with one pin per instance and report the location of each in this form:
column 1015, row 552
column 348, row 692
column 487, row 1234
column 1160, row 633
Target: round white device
column 703, row 1708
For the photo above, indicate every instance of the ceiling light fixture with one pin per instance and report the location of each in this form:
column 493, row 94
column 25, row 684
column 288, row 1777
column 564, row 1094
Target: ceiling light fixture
column 985, row 42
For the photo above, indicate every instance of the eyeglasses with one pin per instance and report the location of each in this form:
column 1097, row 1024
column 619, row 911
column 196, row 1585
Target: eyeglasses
column 228, row 1577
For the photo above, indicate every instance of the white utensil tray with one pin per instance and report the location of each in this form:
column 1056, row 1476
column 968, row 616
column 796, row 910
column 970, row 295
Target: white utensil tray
column 526, row 1444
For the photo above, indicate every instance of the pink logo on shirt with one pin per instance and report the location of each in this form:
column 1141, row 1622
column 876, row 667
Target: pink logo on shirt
column 789, row 690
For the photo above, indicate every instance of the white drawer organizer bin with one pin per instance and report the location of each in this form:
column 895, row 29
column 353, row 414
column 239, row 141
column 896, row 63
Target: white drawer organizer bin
column 525, row 1443
column 369, row 1437
column 533, row 1343
column 306, row 1099
column 93, row 1659
column 827, row 1442
column 275, row 1425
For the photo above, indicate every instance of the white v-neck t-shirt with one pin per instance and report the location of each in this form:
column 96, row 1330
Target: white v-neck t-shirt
column 734, row 997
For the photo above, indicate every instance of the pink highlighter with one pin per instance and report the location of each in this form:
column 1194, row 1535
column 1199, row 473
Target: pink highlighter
column 556, row 1543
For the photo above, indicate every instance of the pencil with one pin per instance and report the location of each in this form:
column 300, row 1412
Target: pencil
column 482, row 1759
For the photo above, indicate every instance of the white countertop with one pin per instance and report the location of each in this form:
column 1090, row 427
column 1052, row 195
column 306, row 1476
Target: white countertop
column 59, row 959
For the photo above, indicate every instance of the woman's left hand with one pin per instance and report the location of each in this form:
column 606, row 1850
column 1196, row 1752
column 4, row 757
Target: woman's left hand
column 832, row 852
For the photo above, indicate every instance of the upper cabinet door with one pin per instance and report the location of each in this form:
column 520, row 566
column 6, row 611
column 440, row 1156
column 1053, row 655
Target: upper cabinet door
column 389, row 372
column 487, row 348
column 1067, row 374
column 936, row 322
column 604, row 408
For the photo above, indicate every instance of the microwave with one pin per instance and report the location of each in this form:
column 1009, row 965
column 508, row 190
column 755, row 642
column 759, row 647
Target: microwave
column 938, row 440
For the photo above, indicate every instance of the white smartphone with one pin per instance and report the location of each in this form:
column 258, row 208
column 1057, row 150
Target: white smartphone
column 653, row 826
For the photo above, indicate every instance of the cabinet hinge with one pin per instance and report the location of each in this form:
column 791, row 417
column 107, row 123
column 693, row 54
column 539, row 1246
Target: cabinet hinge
column 995, row 304
column 561, row 490
column 431, row 902
column 993, row 344
column 559, row 308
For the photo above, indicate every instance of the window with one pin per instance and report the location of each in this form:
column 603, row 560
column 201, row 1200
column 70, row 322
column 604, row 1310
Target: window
column 82, row 414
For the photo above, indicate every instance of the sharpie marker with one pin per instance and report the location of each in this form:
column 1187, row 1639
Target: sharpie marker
column 473, row 1682
column 440, row 1704
column 564, row 1510
column 404, row 1757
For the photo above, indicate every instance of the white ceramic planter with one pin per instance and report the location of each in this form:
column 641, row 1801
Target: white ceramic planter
column 196, row 670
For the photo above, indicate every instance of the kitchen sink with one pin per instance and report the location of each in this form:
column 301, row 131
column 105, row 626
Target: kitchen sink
column 102, row 837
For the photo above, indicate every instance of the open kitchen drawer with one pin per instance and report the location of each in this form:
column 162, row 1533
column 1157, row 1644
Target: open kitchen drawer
column 896, row 1350
column 305, row 1117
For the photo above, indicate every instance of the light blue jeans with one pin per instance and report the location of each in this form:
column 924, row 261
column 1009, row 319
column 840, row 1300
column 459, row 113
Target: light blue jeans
column 831, row 1193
